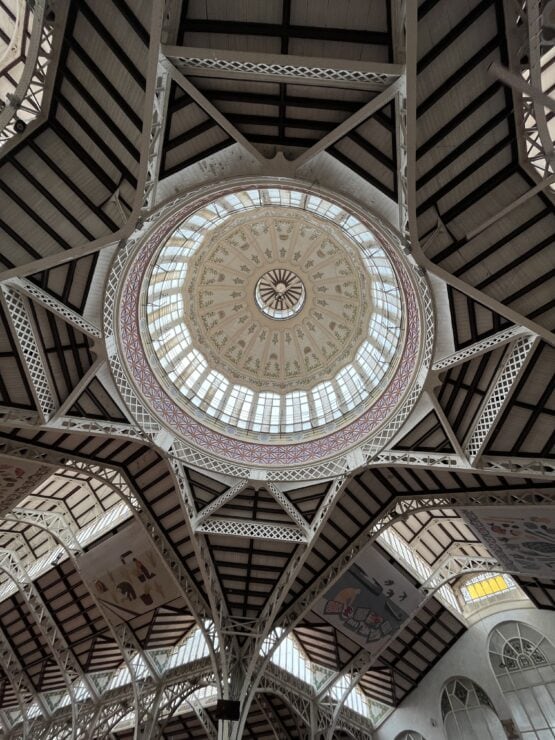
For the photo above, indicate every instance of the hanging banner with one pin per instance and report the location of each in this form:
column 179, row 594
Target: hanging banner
column 127, row 574
column 18, row 479
column 522, row 539
column 370, row 601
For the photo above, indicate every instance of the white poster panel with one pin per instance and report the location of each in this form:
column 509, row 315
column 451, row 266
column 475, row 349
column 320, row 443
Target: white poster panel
column 370, row 601
column 522, row 539
column 18, row 479
column 127, row 575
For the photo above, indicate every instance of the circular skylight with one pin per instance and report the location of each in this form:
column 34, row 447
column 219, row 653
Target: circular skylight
column 268, row 325
column 290, row 349
column 280, row 293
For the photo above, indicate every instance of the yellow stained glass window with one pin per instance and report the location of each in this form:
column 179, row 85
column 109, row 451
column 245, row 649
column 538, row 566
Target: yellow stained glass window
column 486, row 585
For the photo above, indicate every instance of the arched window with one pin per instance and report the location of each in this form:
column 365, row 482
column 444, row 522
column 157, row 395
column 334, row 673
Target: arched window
column 468, row 713
column 523, row 661
column 410, row 735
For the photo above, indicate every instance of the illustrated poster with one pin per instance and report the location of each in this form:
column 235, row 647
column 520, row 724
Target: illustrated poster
column 19, row 479
column 127, row 575
column 523, row 540
column 370, row 601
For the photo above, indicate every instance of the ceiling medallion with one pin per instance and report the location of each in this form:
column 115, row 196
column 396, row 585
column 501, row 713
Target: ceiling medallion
column 270, row 326
column 280, row 293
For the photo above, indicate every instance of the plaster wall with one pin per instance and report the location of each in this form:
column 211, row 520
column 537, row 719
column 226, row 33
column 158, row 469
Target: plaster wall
column 469, row 658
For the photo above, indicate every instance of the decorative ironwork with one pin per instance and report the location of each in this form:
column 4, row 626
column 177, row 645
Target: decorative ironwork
column 478, row 348
column 299, row 72
column 29, row 350
column 498, row 395
column 25, row 102
column 52, row 304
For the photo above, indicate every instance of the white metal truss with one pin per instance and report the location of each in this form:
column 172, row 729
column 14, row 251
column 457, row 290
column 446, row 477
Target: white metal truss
column 175, row 695
column 269, row 612
column 28, row 288
column 282, row 68
column 28, row 419
column 517, row 356
column 160, row 105
column 398, row 509
column 288, row 507
column 270, row 716
column 78, row 389
column 70, row 668
column 479, row 348
column 445, row 423
column 174, row 689
column 145, row 703
column 53, row 522
column 357, row 118
column 402, row 162
column 408, row 132
column 25, row 103
column 229, row 646
column 19, row 680
column 97, row 719
column 120, row 484
column 213, row 112
column 146, row 700
column 535, row 147
column 252, row 529
column 539, row 142
column 520, row 467
column 28, row 346
column 222, row 499
column 301, row 698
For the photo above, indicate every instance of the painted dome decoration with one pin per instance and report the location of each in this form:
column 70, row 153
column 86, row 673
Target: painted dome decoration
column 271, row 325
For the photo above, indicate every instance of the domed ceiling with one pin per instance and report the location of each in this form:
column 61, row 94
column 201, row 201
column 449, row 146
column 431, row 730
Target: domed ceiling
column 272, row 325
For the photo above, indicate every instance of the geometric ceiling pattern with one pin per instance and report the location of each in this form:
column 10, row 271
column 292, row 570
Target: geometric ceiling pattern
column 413, row 117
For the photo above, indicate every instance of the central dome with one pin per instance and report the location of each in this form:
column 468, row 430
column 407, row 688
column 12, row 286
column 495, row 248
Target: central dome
column 271, row 318
column 267, row 328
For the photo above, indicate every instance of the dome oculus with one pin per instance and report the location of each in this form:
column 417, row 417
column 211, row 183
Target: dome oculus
column 280, row 293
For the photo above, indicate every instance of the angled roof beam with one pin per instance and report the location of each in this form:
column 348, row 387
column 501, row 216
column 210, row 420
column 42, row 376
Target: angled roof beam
column 19, row 680
column 149, row 132
column 222, row 499
column 398, row 509
column 352, row 122
column 76, row 392
column 229, row 646
column 479, row 348
column 28, row 288
column 288, row 507
column 55, row 523
column 62, row 654
column 27, row 419
column 28, row 345
column 160, row 109
column 520, row 467
column 515, row 361
column 118, row 481
column 284, row 68
column 407, row 180
column 446, row 424
column 540, row 187
column 214, row 113
column 271, row 609
column 252, row 529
